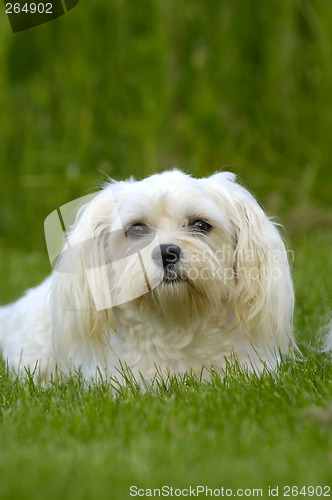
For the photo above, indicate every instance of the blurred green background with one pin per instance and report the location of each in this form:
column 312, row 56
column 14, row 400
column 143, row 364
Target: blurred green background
column 130, row 88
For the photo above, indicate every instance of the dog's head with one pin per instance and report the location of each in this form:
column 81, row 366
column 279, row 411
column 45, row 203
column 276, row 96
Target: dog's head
column 179, row 248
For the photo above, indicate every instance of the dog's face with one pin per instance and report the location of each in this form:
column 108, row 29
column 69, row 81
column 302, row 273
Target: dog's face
column 176, row 248
column 175, row 244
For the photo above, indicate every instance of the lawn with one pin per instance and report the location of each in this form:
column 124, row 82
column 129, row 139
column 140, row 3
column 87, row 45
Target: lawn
column 70, row 441
column 129, row 88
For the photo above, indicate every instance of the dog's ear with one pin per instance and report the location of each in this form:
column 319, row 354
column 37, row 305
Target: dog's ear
column 81, row 302
column 263, row 298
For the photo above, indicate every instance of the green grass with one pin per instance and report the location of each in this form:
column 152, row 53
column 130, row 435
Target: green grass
column 70, row 439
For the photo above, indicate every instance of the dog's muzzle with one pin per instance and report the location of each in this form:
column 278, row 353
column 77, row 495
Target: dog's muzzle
column 168, row 256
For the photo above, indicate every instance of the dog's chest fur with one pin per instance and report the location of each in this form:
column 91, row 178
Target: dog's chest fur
column 144, row 344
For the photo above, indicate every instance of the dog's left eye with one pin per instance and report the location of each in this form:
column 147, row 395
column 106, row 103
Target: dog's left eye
column 138, row 230
column 200, row 226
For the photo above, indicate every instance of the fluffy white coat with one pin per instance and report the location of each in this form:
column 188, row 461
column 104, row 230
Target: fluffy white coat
column 107, row 301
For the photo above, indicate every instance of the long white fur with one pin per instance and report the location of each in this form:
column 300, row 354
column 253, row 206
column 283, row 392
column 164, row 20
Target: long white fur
column 98, row 309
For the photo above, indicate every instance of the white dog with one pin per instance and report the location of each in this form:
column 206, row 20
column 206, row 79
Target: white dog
column 170, row 273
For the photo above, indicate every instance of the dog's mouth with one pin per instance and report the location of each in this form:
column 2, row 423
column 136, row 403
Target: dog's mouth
column 173, row 281
column 172, row 276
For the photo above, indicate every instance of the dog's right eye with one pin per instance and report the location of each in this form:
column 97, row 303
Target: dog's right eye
column 138, row 230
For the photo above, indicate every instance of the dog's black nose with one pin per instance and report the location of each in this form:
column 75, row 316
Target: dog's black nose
column 169, row 253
